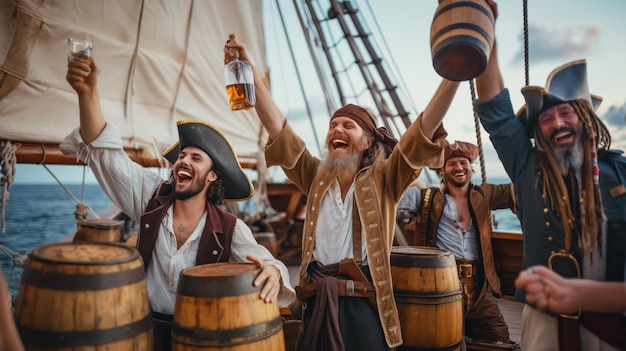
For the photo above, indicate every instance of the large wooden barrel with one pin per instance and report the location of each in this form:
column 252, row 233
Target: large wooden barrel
column 218, row 308
column 461, row 38
column 428, row 294
column 103, row 230
column 84, row 296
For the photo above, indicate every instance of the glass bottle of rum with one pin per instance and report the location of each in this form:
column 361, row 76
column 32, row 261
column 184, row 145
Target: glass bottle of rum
column 239, row 85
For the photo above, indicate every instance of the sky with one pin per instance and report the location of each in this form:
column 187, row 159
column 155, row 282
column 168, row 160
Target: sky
column 559, row 32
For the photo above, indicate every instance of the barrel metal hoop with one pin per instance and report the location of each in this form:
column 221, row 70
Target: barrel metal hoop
column 98, row 337
column 81, row 282
column 479, row 7
column 227, row 337
column 450, row 347
column 470, row 26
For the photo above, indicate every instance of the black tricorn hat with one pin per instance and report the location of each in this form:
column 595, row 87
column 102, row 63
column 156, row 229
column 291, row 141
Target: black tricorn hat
column 565, row 83
column 200, row 134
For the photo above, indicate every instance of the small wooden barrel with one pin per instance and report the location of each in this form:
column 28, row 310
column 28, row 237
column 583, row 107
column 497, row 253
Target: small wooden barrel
column 461, row 38
column 84, row 296
column 103, row 230
column 428, row 294
column 218, row 308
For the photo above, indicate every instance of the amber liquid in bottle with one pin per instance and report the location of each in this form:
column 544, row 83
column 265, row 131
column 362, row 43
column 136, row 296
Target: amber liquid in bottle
column 81, row 57
column 241, row 96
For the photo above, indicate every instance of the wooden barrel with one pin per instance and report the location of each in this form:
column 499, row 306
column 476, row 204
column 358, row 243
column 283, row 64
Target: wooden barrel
column 103, row 230
column 84, row 296
column 428, row 294
column 461, row 38
column 218, row 308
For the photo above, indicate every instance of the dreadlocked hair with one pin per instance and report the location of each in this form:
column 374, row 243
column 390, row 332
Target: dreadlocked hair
column 596, row 136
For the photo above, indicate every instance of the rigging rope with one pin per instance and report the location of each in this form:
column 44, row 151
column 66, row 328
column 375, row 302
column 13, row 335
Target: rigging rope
column 526, row 69
column 8, row 161
column 80, row 206
column 479, row 143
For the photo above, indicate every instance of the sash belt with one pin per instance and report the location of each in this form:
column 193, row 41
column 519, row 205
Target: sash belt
column 349, row 288
column 350, row 281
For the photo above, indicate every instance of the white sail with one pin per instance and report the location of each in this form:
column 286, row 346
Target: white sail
column 160, row 61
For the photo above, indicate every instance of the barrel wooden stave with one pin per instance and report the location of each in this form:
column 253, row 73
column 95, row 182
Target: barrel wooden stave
column 228, row 316
column 461, row 38
column 103, row 230
column 52, row 317
column 428, row 296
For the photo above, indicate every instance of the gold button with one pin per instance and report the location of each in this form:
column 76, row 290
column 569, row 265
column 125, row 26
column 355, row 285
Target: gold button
column 550, row 238
column 547, row 224
column 545, row 210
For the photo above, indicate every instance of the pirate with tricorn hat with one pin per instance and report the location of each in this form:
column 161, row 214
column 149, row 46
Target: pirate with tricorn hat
column 180, row 220
column 570, row 194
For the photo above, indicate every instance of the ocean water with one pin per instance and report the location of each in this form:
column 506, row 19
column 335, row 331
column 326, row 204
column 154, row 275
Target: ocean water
column 40, row 214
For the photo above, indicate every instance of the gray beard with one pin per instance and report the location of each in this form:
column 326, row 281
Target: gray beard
column 571, row 158
column 343, row 168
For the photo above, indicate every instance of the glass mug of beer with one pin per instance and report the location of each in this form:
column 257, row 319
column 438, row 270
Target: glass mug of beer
column 81, row 50
column 239, row 85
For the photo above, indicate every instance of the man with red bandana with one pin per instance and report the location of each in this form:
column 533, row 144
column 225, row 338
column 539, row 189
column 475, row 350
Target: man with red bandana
column 181, row 223
column 456, row 217
column 345, row 276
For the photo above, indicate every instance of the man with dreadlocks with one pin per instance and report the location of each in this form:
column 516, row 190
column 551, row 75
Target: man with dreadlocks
column 352, row 192
column 571, row 195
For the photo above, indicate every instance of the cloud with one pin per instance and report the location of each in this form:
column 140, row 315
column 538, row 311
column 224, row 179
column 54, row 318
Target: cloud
column 615, row 116
column 557, row 44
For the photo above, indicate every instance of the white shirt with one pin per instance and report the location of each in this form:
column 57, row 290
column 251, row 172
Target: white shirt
column 334, row 227
column 451, row 236
column 130, row 186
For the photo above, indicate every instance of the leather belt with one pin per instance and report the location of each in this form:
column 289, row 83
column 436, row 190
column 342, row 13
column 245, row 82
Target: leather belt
column 468, row 268
column 346, row 288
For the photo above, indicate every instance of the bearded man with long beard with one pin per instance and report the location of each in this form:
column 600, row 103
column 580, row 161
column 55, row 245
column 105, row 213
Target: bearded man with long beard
column 345, row 290
column 571, row 196
column 456, row 217
column 181, row 223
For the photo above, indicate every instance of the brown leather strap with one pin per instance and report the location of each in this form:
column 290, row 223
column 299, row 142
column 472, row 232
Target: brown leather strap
column 356, row 232
column 422, row 223
column 569, row 334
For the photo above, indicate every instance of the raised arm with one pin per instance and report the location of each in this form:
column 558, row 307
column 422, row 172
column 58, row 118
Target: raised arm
column 270, row 115
column 437, row 107
column 490, row 82
column 9, row 336
column 84, row 80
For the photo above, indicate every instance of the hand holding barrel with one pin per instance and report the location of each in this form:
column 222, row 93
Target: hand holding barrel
column 269, row 277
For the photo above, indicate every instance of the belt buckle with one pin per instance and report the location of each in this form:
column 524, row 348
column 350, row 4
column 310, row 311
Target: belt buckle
column 349, row 287
column 465, row 270
column 566, row 255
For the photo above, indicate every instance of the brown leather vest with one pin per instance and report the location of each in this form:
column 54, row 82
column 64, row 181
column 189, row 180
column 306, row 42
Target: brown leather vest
column 433, row 201
column 216, row 237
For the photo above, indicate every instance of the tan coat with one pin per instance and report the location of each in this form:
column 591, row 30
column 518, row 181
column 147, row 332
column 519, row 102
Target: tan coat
column 378, row 189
